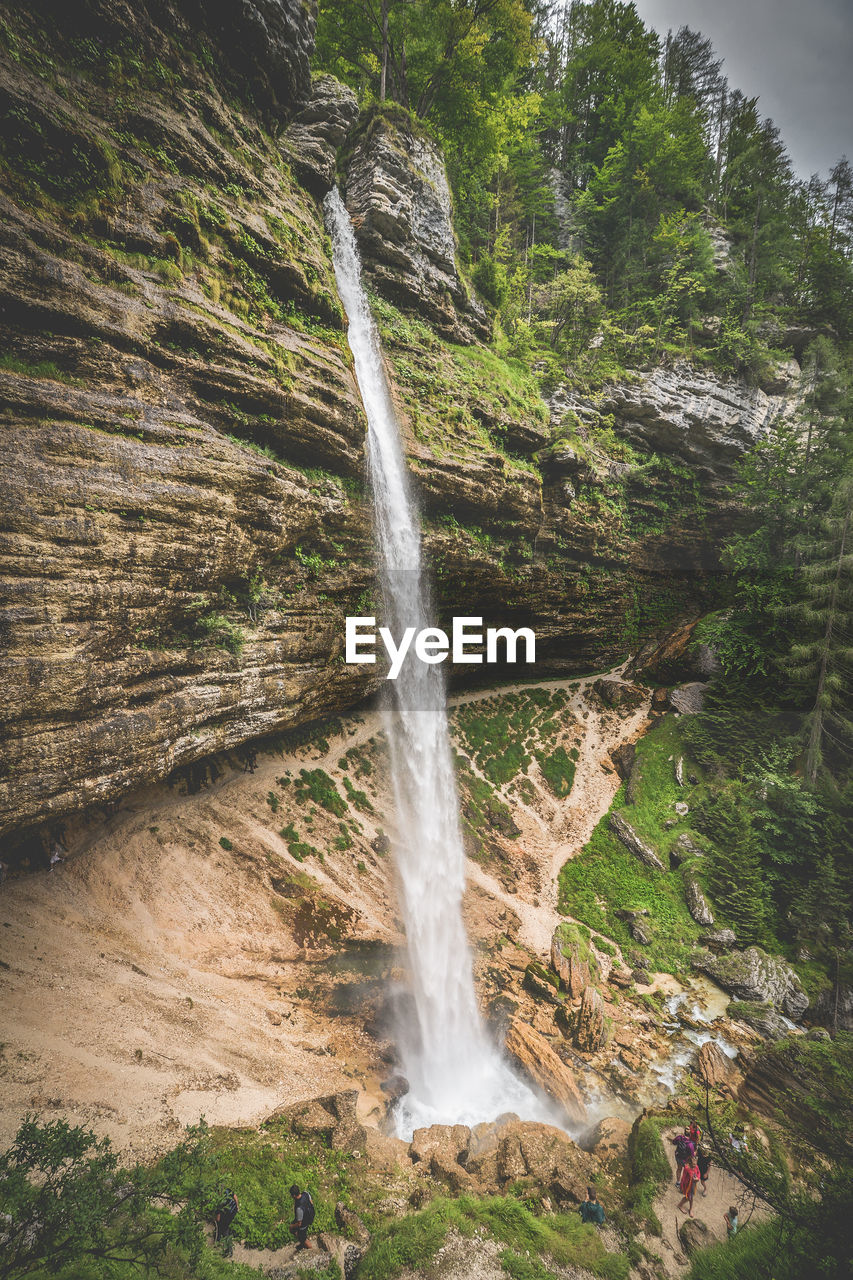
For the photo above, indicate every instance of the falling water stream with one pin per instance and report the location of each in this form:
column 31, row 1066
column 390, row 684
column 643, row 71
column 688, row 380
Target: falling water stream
column 455, row 1073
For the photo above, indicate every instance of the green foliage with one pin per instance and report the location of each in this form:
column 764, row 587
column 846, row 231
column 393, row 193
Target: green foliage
column 317, row 786
column 412, row 1241
column 650, row 1171
column 558, row 771
column 68, row 1205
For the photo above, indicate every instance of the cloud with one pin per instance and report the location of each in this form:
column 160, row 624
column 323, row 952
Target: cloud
column 794, row 56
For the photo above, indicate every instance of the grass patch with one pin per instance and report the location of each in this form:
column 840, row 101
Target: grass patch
column 316, row 785
column 412, row 1241
column 650, row 1171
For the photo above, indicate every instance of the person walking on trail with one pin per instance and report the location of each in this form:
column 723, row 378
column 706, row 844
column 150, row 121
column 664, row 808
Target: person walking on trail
column 303, row 1215
column 223, row 1216
column 704, row 1160
column 687, row 1185
column 591, row 1210
column 731, row 1221
column 694, row 1133
column 684, row 1149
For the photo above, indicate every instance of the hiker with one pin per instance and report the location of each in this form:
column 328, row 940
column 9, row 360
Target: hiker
column 703, row 1160
column 731, row 1222
column 684, row 1149
column 687, row 1185
column 303, row 1215
column 223, row 1216
column 591, row 1210
column 694, row 1133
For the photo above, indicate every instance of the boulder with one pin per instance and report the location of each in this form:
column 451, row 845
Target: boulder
column 538, row 1060
column 762, row 1018
column 332, row 1117
column 620, row 977
column 754, row 976
column 312, row 139
column 609, row 1139
column 719, row 940
column 697, row 904
column 539, row 982
column 616, row 693
column 450, row 1141
column 694, row 1235
column 628, row 836
column 717, row 1069
column 688, row 699
column 513, row 1150
column 589, row 1026
column 351, row 1224
column 398, row 196
column 679, row 771
column 687, row 846
column 571, row 959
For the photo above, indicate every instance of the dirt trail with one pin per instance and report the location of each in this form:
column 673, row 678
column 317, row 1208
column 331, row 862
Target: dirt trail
column 153, row 977
column 723, row 1190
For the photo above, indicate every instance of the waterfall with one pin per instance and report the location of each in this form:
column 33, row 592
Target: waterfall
column 455, row 1074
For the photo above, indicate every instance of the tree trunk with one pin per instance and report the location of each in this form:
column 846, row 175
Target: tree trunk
column 383, row 79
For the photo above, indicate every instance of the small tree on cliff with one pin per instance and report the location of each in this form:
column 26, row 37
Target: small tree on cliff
column 735, row 878
column 64, row 1199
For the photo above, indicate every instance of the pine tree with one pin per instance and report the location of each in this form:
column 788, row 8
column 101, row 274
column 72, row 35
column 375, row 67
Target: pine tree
column 823, row 657
column 735, row 877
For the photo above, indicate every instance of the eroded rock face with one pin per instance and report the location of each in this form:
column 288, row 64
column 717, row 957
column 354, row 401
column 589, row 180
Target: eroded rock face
column 317, row 132
column 270, row 42
column 688, row 414
column 753, row 975
column 399, row 199
column 718, row 1069
column 632, row 842
column 538, row 1060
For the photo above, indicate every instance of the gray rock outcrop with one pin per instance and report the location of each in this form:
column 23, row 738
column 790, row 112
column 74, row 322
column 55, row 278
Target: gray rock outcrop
column 399, row 199
column 311, row 141
column 632, row 842
column 685, row 412
column 697, row 903
column 754, row 976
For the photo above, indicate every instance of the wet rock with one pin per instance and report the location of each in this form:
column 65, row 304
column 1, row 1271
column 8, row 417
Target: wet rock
column 628, row 836
column 269, row 42
column 694, row 1235
column 538, row 1060
column 616, row 693
column 688, row 699
column 754, row 976
column 589, row 1026
column 394, row 1088
column 697, row 904
column 717, row 1069
column 399, row 199
column 317, row 131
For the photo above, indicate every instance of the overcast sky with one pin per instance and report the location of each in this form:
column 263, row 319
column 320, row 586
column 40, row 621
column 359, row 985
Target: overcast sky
column 795, row 55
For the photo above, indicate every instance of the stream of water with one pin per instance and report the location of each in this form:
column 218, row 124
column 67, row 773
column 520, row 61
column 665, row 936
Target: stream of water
column 455, row 1073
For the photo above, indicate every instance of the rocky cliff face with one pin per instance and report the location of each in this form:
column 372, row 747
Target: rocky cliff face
column 183, row 522
column 398, row 197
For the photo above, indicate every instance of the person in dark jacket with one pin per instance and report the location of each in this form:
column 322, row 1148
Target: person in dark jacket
column 591, row 1210
column 303, row 1215
column 703, row 1159
column 224, row 1215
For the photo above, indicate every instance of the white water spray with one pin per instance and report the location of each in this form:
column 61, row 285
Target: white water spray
column 455, row 1074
